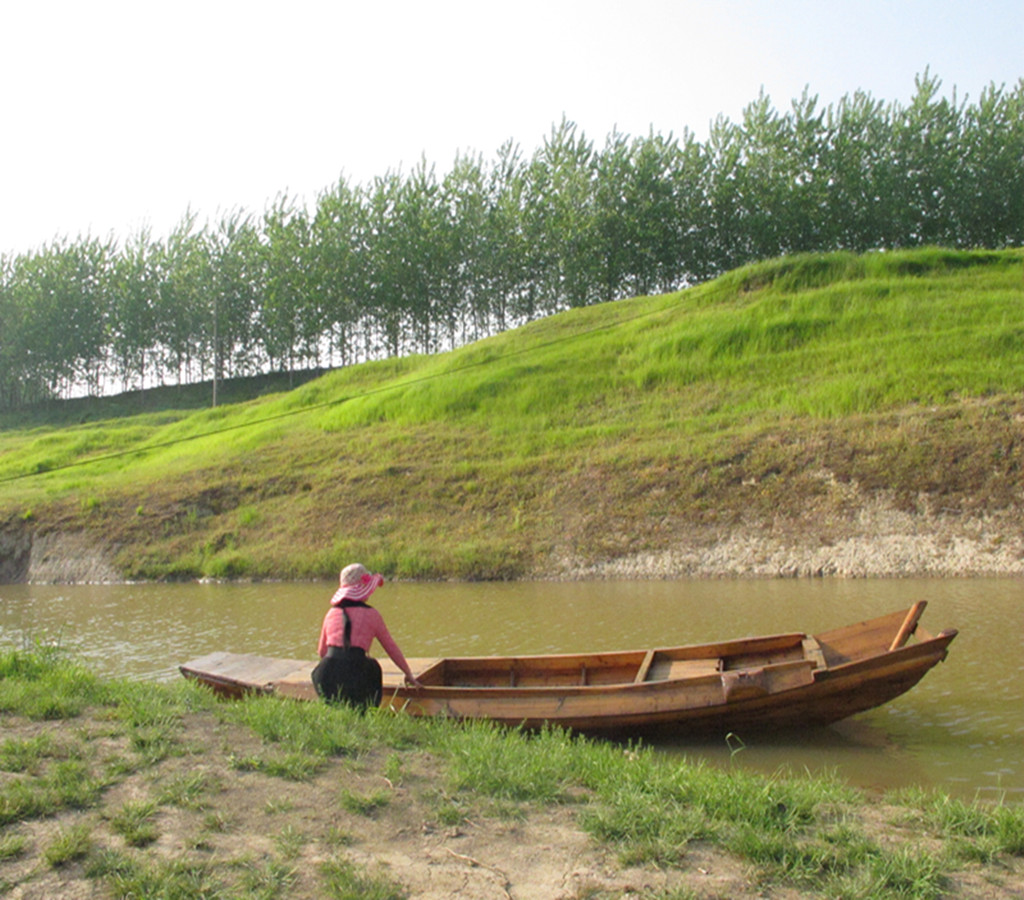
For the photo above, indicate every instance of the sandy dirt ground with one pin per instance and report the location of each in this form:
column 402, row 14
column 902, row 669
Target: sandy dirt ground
column 250, row 819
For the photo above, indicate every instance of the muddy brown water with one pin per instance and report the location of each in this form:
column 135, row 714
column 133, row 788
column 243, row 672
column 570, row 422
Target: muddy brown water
column 961, row 728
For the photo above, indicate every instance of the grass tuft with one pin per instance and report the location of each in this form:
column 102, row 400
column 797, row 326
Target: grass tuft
column 324, row 731
column 132, row 878
column 536, row 768
column 981, row 830
column 68, row 784
column 364, row 804
column 69, row 845
column 190, row 790
column 343, row 881
column 134, row 822
column 12, row 846
column 267, row 880
column 290, row 766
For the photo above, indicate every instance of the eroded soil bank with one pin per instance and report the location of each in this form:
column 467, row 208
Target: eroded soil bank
column 878, row 541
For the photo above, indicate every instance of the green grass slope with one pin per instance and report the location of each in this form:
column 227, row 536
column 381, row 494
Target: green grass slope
column 781, row 395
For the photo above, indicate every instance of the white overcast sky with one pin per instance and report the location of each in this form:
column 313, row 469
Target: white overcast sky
column 122, row 115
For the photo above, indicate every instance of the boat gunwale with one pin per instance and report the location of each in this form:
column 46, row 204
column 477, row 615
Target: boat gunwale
column 923, row 649
column 708, row 650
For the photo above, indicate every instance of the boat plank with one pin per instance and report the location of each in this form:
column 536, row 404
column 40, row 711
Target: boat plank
column 645, row 668
column 244, row 668
column 665, row 668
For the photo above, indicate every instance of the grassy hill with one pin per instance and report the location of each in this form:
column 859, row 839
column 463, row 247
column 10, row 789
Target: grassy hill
column 778, row 402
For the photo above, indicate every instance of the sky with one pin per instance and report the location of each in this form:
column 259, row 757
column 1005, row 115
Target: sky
column 118, row 117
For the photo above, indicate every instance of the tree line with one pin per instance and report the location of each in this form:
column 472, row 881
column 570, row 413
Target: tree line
column 420, row 262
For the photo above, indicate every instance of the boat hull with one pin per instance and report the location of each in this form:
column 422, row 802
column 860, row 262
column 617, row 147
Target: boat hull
column 765, row 683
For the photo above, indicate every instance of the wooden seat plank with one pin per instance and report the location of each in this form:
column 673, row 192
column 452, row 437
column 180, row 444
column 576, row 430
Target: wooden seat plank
column 645, row 668
column 666, row 668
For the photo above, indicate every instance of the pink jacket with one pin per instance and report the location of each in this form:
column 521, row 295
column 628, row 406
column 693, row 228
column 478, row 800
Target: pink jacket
column 367, row 624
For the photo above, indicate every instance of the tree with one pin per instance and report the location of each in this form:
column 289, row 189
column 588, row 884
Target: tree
column 338, row 256
column 383, row 258
column 420, row 243
column 236, row 292
column 18, row 384
column 292, row 319
column 989, row 166
column 61, row 311
column 805, row 227
column 922, row 187
column 638, row 216
column 560, row 219
column 858, row 166
column 184, row 281
column 508, row 287
column 463, row 254
column 133, row 291
column 726, row 229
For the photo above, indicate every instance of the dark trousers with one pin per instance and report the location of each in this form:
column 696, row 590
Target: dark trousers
column 349, row 676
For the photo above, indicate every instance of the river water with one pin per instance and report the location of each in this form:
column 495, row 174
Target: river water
column 960, row 729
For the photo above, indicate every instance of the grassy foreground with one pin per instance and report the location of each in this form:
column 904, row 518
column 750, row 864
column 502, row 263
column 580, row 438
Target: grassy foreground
column 784, row 395
column 141, row 790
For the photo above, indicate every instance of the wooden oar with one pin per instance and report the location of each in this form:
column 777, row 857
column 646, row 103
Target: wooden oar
column 908, row 626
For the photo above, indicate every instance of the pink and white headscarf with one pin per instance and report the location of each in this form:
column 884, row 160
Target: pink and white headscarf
column 357, row 583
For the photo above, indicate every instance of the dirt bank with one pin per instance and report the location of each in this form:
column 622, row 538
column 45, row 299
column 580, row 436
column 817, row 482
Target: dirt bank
column 878, row 541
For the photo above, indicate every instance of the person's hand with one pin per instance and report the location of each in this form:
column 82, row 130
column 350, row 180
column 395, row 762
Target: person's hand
column 412, row 681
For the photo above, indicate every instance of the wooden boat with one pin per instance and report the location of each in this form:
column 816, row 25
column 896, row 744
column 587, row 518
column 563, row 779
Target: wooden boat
column 776, row 681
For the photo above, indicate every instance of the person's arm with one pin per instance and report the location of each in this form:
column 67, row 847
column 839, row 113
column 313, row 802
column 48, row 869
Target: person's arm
column 321, row 647
column 392, row 649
